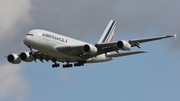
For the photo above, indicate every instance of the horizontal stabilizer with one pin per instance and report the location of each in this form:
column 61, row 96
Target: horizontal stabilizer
column 175, row 36
column 125, row 54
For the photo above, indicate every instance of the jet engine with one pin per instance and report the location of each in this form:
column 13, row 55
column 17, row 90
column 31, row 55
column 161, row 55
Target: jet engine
column 13, row 58
column 90, row 49
column 123, row 45
column 25, row 56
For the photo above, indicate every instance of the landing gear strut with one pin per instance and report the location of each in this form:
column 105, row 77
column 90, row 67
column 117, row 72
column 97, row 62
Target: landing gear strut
column 80, row 63
column 31, row 53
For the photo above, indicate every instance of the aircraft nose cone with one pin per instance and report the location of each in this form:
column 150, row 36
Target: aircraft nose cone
column 27, row 40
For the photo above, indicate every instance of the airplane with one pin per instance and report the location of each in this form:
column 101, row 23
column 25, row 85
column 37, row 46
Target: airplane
column 73, row 52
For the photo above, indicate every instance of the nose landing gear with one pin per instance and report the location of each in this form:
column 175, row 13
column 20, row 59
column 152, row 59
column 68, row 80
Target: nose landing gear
column 31, row 51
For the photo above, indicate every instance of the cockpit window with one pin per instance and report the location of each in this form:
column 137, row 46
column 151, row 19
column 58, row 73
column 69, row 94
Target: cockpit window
column 30, row 34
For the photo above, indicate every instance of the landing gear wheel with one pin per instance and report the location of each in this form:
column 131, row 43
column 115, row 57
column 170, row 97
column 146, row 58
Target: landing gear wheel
column 67, row 65
column 55, row 65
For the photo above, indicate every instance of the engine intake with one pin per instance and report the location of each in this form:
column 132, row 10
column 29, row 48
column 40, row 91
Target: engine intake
column 13, row 58
column 90, row 49
column 123, row 45
column 25, row 56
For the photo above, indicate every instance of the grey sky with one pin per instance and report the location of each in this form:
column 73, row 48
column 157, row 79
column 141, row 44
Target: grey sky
column 14, row 15
column 85, row 19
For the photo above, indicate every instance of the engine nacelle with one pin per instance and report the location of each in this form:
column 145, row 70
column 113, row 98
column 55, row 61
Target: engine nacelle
column 13, row 58
column 123, row 45
column 90, row 49
column 25, row 56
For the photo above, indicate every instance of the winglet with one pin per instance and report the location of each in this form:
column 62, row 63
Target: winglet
column 175, row 36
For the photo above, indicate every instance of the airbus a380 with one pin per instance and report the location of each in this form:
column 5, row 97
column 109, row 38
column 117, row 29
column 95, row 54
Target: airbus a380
column 73, row 52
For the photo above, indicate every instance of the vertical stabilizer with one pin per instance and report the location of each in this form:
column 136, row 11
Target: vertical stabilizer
column 108, row 34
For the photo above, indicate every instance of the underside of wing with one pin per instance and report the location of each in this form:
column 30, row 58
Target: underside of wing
column 42, row 56
column 106, row 47
column 71, row 50
column 85, row 51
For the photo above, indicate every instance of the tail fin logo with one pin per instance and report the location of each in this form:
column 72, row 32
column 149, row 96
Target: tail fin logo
column 108, row 34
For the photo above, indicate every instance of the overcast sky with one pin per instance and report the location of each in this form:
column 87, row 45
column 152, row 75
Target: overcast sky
column 152, row 76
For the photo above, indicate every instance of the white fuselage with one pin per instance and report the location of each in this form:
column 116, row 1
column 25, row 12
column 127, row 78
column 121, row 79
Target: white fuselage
column 47, row 42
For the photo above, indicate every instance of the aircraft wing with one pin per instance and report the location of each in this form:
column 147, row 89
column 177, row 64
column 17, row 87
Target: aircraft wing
column 74, row 50
column 137, row 41
column 112, row 46
column 103, row 48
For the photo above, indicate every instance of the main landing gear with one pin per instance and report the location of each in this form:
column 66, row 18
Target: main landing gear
column 55, row 65
column 68, row 65
column 80, row 63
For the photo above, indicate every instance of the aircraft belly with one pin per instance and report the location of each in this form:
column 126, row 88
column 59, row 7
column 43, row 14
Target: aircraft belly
column 62, row 57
